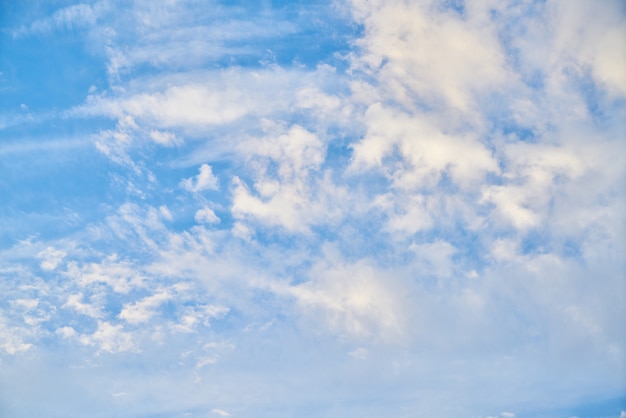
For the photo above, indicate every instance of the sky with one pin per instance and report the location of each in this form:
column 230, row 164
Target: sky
column 350, row 208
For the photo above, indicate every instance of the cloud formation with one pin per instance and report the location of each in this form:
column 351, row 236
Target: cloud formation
column 205, row 180
column 416, row 202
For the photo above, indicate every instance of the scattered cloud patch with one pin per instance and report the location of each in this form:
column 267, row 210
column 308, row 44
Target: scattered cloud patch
column 109, row 338
column 206, row 215
column 51, row 258
column 205, row 180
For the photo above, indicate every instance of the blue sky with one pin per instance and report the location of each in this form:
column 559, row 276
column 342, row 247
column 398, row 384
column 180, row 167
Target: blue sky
column 352, row 208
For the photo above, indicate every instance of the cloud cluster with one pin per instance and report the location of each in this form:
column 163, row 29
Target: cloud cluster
column 441, row 204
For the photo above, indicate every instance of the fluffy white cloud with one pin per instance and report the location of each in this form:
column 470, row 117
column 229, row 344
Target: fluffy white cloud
column 428, row 152
column 421, row 53
column 164, row 138
column 75, row 302
column 205, row 180
column 51, row 258
column 292, row 191
column 579, row 38
column 144, row 309
column 353, row 299
column 66, row 332
column 165, row 212
column 12, row 339
column 119, row 275
column 206, row 215
column 109, row 338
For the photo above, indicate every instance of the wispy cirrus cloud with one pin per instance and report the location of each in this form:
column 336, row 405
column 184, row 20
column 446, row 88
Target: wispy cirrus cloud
column 78, row 16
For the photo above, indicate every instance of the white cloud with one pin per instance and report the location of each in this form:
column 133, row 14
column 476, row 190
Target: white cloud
column 243, row 231
column 115, row 143
column 75, row 302
column 66, row 332
column 109, row 338
column 407, row 215
column 141, row 225
column 183, row 105
column 51, row 258
column 452, row 144
column 509, row 202
column 419, row 53
column 11, row 339
column 187, row 324
column 581, row 38
column 119, row 275
column 220, row 412
column 323, row 106
column 532, row 173
column 12, row 344
column 205, row 180
column 205, row 361
column 187, row 37
column 67, row 18
column 27, row 304
column 206, row 215
column 353, row 299
column 291, row 189
column 164, row 138
column 165, row 212
column 144, row 309
column 200, row 315
column 429, row 153
column 196, row 101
